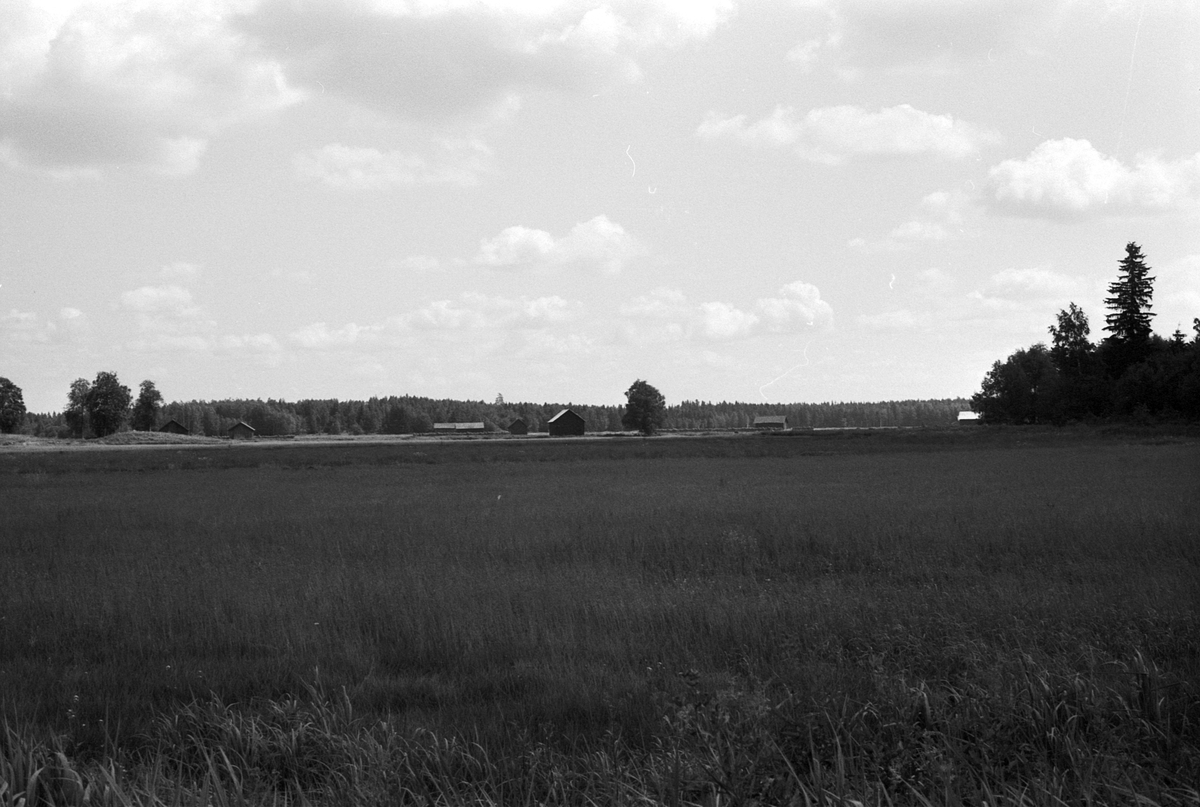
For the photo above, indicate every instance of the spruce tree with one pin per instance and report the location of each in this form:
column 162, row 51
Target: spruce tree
column 1129, row 302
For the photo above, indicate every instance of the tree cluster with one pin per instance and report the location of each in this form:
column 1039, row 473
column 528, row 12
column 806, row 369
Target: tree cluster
column 1133, row 374
column 412, row 414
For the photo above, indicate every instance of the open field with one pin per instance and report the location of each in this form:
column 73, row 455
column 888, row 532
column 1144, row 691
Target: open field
column 960, row 615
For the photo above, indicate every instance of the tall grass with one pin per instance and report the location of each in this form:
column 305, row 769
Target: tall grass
column 678, row 625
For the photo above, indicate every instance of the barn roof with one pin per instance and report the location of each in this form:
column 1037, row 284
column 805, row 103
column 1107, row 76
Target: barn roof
column 967, row 414
column 564, row 412
column 242, row 423
column 475, row 426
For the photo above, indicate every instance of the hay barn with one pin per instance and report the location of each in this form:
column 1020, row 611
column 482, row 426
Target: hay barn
column 173, row 426
column 969, row 418
column 771, row 422
column 242, row 431
column 566, row 423
column 518, row 426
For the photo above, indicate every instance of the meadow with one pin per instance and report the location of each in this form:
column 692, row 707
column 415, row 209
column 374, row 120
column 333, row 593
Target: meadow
column 996, row 616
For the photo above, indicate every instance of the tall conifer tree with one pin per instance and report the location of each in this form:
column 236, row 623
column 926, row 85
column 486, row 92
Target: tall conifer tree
column 1129, row 302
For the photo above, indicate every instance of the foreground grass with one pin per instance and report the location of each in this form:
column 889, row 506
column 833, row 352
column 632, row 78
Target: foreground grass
column 776, row 620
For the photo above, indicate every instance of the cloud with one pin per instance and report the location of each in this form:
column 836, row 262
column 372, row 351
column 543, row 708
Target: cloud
column 941, row 217
column 258, row 343
column 660, row 303
column 515, row 246
column 445, row 60
column 723, row 321
column 833, row 135
column 320, row 336
column 169, row 299
column 1070, row 177
column 457, row 162
column 93, row 85
column 30, row 328
column 799, row 305
column 598, row 243
column 477, row 311
column 1031, row 283
column 1014, row 301
column 667, row 314
column 908, row 32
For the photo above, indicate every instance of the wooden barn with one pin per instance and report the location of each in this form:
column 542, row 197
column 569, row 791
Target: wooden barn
column 173, row 426
column 566, row 423
column 242, row 431
column 455, row 428
column 771, row 422
column 968, row 418
column 518, row 426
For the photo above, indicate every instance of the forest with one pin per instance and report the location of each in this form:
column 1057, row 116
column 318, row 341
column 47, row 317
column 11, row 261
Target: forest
column 414, row 415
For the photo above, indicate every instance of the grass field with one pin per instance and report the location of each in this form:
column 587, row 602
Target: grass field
column 1006, row 616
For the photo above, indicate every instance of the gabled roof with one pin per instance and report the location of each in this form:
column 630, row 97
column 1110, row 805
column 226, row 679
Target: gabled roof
column 565, row 411
column 967, row 414
column 242, row 423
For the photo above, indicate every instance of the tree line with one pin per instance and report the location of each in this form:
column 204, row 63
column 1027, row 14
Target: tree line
column 1132, row 374
column 104, row 406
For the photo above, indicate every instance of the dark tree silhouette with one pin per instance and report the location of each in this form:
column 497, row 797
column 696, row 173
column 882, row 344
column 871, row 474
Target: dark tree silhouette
column 644, row 408
column 145, row 410
column 1129, row 304
column 76, row 413
column 1071, row 346
column 1022, row 389
column 107, row 403
column 12, row 406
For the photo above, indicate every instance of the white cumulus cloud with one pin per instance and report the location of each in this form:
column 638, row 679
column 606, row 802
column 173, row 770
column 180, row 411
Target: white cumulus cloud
column 667, row 313
column 798, row 305
column 96, row 85
column 598, row 243
column 1071, row 176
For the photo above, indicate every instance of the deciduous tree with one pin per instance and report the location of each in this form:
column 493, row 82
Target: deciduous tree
column 107, row 403
column 1022, row 389
column 145, row 410
column 1070, row 341
column 76, row 413
column 644, row 408
column 12, row 406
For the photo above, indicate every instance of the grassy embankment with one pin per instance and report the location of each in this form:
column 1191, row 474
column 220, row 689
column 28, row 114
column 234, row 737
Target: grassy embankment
column 963, row 617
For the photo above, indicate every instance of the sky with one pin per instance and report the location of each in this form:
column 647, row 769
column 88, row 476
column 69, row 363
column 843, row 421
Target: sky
column 815, row 200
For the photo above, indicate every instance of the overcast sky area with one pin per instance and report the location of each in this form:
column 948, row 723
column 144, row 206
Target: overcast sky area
column 816, row 200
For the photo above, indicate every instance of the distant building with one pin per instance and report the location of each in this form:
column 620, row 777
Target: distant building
column 566, row 423
column 968, row 418
column 459, row 427
column 518, row 426
column 173, row 426
column 242, row 431
column 771, row 422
